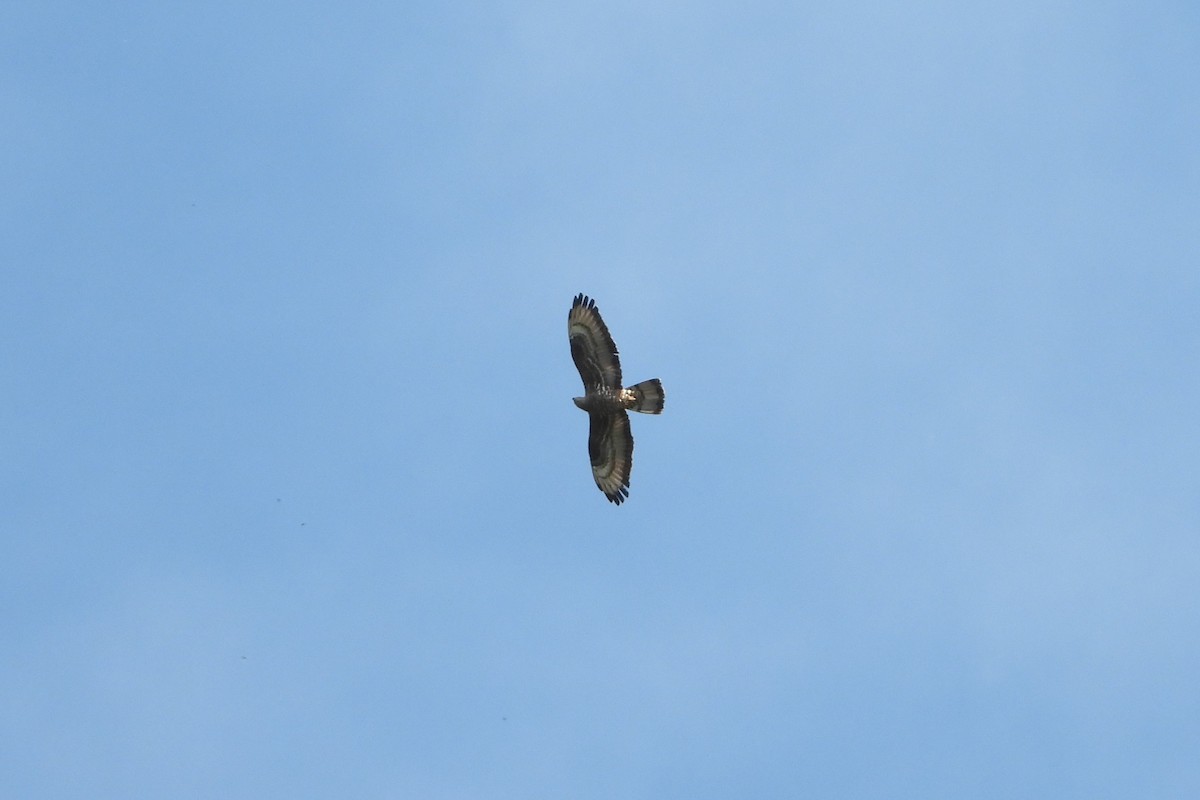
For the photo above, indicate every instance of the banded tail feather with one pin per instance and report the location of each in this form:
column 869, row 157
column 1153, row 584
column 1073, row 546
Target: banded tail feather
column 648, row 396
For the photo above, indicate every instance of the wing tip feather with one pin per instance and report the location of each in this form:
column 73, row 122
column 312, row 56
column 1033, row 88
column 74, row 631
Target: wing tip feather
column 618, row 495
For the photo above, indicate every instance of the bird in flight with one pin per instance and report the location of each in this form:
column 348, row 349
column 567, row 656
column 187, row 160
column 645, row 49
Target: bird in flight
column 610, row 442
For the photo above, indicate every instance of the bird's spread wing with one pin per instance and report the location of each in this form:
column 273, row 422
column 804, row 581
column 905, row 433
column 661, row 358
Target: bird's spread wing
column 610, row 444
column 592, row 346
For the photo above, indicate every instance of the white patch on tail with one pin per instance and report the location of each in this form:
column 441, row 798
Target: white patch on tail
column 648, row 396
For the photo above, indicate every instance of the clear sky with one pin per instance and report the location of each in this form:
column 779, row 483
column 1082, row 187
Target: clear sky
column 295, row 502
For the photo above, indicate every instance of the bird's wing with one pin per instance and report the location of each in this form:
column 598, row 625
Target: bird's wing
column 592, row 346
column 610, row 445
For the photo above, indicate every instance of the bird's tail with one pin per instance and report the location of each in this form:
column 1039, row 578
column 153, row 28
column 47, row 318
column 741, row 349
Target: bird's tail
column 648, row 396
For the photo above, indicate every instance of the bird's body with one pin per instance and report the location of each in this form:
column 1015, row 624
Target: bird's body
column 606, row 401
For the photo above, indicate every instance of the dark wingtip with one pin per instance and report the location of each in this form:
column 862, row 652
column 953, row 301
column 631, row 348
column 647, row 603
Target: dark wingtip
column 619, row 496
column 582, row 299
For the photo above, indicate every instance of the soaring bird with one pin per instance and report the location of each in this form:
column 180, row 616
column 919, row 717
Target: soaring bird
column 610, row 442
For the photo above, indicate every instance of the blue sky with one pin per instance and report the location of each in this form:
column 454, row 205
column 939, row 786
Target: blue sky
column 295, row 500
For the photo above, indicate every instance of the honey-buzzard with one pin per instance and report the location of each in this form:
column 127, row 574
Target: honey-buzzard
column 610, row 442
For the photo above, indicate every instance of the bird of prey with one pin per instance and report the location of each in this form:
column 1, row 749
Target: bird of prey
column 610, row 443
